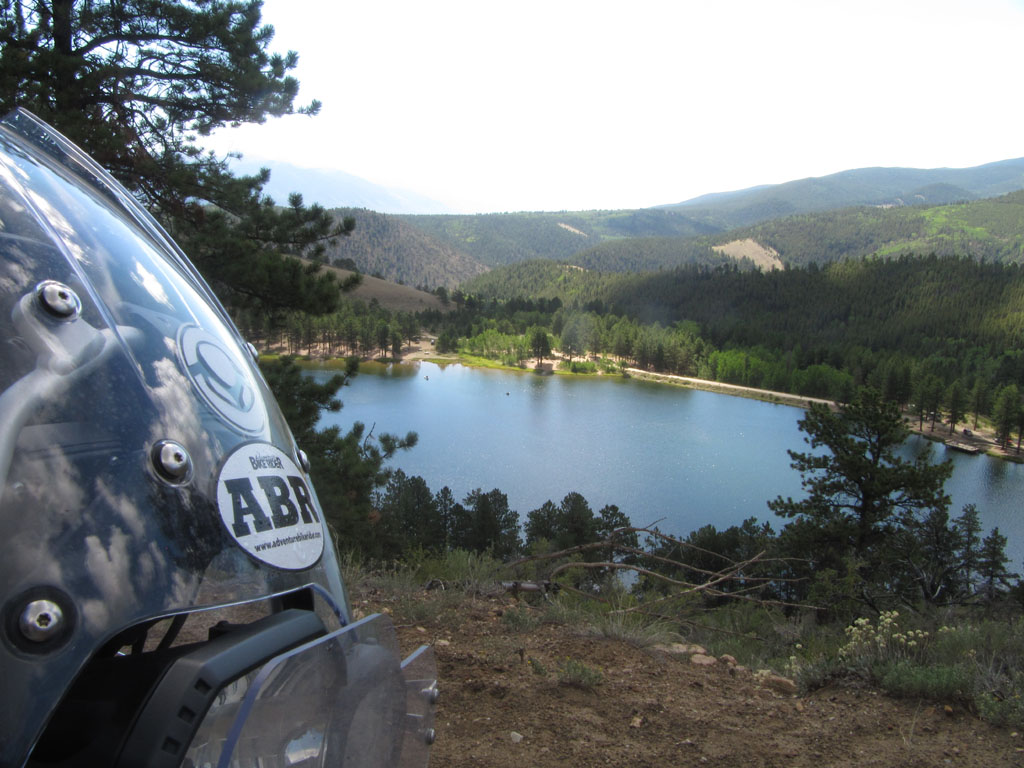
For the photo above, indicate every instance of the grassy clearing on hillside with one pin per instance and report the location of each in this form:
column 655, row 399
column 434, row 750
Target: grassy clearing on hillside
column 398, row 298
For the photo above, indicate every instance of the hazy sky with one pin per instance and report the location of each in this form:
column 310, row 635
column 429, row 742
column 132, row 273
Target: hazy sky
column 489, row 105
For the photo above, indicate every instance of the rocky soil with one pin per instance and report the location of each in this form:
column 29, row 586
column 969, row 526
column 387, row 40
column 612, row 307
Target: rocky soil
column 506, row 702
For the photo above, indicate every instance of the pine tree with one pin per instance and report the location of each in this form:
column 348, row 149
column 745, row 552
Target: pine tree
column 137, row 84
column 955, row 405
column 540, row 344
column 346, row 468
column 1006, row 413
column 992, row 562
column 979, row 398
column 859, row 490
column 968, row 528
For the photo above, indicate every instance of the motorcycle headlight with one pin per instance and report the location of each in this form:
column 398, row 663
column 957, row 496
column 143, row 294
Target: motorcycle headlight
column 340, row 699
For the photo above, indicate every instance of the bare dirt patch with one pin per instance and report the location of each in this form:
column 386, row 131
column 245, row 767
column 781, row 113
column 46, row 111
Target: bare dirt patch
column 765, row 258
column 572, row 229
column 503, row 704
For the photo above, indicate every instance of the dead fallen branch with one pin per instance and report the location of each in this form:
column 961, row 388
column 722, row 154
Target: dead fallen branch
column 711, row 585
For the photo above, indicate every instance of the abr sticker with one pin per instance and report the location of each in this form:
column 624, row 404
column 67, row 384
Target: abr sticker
column 267, row 507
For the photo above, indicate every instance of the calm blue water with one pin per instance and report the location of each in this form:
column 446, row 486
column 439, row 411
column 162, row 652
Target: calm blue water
column 667, row 456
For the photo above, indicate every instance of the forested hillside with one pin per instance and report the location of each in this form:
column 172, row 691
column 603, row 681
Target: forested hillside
column 435, row 251
column 862, row 186
column 387, row 246
column 505, row 238
column 961, row 314
column 992, row 230
column 649, row 254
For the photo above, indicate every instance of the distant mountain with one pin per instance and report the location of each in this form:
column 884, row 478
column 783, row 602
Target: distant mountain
column 886, row 211
column 862, row 186
column 334, row 189
column 991, row 230
column 448, row 250
column 495, row 239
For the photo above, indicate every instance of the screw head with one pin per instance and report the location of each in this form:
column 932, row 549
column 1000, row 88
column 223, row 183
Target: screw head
column 171, row 461
column 59, row 300
column 429, row 736
column 41, row 620
column 303, row 461
column 253, row 352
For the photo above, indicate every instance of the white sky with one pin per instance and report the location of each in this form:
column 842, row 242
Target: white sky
column 489, row 105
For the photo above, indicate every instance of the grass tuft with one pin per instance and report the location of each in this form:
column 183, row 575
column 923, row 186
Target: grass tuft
column 577, row 674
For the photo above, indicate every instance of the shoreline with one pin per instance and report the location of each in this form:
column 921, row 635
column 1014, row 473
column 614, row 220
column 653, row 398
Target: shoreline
column 981, row 439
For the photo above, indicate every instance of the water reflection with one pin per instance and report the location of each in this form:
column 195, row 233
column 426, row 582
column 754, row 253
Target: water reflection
column 682, row 457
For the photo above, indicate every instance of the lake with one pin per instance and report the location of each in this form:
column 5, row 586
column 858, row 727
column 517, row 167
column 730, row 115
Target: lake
column 665, row 455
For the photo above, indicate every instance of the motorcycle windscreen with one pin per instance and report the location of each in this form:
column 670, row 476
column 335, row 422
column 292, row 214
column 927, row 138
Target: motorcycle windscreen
column 341, row 700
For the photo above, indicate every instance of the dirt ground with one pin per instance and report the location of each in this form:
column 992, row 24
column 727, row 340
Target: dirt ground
column 504, row 704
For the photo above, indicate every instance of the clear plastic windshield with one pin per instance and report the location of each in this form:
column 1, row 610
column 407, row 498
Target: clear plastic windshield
column 145, row 468
column 341, row 700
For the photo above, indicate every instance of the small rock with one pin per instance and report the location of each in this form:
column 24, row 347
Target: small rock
column 516, row 737
column 636, row 722
column 726, row 658
column 780, row 684
column 701, row 660
column 948, row 710
column 680, row 649
column 443, row 643
column 421, row 630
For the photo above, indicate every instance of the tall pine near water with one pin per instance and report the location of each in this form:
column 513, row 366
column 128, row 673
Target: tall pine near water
column 860, row 493
column 138, row 84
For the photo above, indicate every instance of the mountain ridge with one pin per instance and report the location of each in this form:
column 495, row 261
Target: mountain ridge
column 858, row 186
column 334, row 189
column 820, row 219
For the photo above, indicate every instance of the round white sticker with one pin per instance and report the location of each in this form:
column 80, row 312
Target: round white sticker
column 268, row 509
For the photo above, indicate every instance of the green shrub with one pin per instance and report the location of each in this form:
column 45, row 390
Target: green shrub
column 576, row 673
column 578, row 366
column 980, row 664
column 457, row 568
column 756, row 635
column 909, row 679
column 537, row 667
column 635, row 629
column 1001, row 710
column 520, row 619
